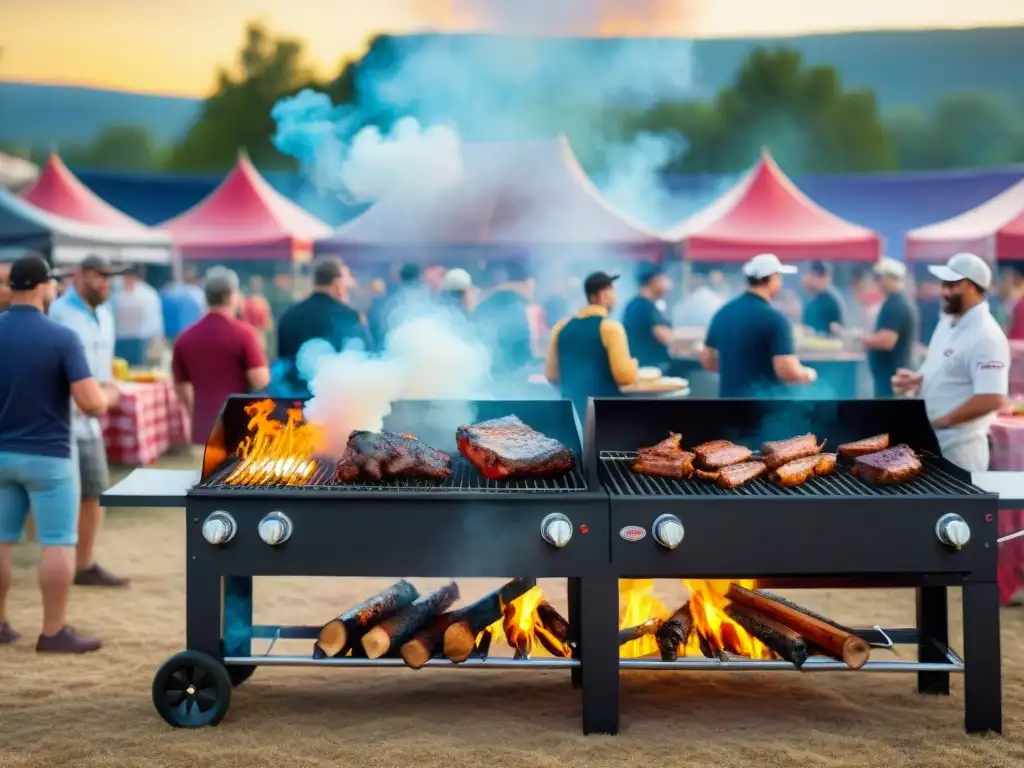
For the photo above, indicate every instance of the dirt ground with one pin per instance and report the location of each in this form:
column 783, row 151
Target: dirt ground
column 96, row 711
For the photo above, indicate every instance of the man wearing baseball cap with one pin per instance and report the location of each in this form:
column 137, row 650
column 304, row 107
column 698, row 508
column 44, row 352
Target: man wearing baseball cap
column 47, row 369
column 83, row 309
column 965, row 377
column 750, row 343
column 588, row 355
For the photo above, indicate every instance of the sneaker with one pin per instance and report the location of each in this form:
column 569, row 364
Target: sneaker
column 98, row 576
column 67, row 641
column 7, row 634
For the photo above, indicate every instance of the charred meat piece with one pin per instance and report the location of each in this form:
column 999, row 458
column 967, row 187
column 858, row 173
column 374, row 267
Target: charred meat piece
column 802, row 470
column 371, row 456
column 850, row 451
column 888, row 467
column 722, row 455
column 666, row 459
column 701, row 474
column 702, row 450
column 506, row 448
column 735, row 475
column 781, row 452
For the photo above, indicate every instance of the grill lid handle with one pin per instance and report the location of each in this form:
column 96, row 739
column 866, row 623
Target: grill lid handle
column 953, row 531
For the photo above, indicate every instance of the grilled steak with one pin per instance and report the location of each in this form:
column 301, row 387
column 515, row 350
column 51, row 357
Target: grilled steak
column 701, row 474
column 507, row 448
column 782, row 452
column 850, row 451
column 721, row 453
column 666, row 459
column 802, row 470
column 888, row 467
column 736, row 475
column 379, row 455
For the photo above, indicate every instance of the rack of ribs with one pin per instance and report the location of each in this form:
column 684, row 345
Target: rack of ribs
column 850, row 451
column 506, row 448
column 779, row 452
column 735, row 475
column 666, row 459
column 801, row 470
column 888, row 467
column 716, row 454
column 373, row 456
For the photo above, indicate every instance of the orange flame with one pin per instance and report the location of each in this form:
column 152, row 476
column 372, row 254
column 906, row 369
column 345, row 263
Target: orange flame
column 707, row 607
column 276, row 452
column 637, row 605
column 525, row 632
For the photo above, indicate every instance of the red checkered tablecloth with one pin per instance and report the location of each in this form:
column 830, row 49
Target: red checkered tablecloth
column 1007, row 438
column 146, row 422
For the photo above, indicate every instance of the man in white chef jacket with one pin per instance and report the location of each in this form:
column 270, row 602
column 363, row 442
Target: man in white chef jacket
column 964, row 380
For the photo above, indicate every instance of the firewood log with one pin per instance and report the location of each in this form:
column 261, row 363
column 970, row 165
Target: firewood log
column 649, row 627
column 483, row 645
column 469, row 622
column 778, row 637
column 403, row 626
column 674, row 633
column 342, row 634
column 837, row 643
column 554, row 632
column 519, row 639
column 427, row 643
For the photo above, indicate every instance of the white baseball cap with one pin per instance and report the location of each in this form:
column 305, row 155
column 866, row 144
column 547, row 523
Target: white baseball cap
column 765, row 265
column 456, row 280
column 887, row 267
column 964, row 266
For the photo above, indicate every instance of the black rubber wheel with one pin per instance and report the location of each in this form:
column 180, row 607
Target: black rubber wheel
column 239, row 675
column 192, row 690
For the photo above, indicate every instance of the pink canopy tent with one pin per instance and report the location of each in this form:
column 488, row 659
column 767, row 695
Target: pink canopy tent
column 994, row 230
column 513, row 195
column 245, row 218
column 766, row 212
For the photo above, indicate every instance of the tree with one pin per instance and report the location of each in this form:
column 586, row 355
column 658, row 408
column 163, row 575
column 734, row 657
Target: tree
column 912, row 138
column 976, row 129
column 121, row 147
column 237, row 115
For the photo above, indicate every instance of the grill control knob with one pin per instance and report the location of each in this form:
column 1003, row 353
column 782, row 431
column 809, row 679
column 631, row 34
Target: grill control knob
column 219, row 527
column 953, row 531
column 668, row 531
column 275, row 528
column 556, row 529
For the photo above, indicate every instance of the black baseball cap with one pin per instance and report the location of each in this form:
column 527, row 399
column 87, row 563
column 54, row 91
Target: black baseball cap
column 597, row 282
column 31, row 271
column 102, row 266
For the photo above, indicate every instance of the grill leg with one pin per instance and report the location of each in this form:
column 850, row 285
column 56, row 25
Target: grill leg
column 599, row 645
column 204, row 594
column 983, row 684
column 573, row 590
column 932, row 625
column 238, row 616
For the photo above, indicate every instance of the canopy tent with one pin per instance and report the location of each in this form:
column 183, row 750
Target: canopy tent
column 16, row 172
column 24, row 226
column 994, row 230
column 766, row 212
column 245, row 218
column 509, row 194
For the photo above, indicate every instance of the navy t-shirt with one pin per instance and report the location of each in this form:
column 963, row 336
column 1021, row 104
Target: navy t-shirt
column 823, row 310
column 41, row 361
column 896, row 314
column 747, row 333
column 640, row 318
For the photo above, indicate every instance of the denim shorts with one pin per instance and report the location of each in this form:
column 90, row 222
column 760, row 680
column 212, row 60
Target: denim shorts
column 48, row 486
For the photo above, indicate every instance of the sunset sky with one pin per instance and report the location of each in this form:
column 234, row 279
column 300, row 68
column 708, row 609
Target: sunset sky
column 174, row 47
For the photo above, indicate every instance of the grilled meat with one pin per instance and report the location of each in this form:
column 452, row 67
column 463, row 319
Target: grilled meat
column 373, row 456
column 850, row 451
column 735, row 475
column 721, row 453
column 507, row 448
column 666, row 459
column 802, row 470
column 888, row 467
column 781, row 452
column 701, row 474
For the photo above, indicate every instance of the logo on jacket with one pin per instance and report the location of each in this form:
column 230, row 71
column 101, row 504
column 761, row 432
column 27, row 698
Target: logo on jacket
column 633, row 533
column 948, row 352
column 992, row 365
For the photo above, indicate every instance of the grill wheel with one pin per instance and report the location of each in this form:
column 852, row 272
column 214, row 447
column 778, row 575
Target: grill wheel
column 192, row 690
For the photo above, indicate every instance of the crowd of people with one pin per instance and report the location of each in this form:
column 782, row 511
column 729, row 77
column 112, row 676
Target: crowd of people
column 220, row 340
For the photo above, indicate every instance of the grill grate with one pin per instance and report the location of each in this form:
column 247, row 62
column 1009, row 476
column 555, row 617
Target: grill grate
column 464, row 478
column 618, row 476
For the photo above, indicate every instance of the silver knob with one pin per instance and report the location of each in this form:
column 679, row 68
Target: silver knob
column 275, row 528
column 556, row 529
column 953, row 531
column 219, row 527
column 668, row 531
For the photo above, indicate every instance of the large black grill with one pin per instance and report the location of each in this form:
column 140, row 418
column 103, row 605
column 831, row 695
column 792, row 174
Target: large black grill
column 619, row 478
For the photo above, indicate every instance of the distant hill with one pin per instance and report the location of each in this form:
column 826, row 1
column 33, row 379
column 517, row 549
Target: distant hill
column 911, row 68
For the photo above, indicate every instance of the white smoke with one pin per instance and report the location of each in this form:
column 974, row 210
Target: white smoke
column 427, row 357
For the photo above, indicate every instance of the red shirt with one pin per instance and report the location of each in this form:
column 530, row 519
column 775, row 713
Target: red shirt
column 256, row 312
column 213, row 356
